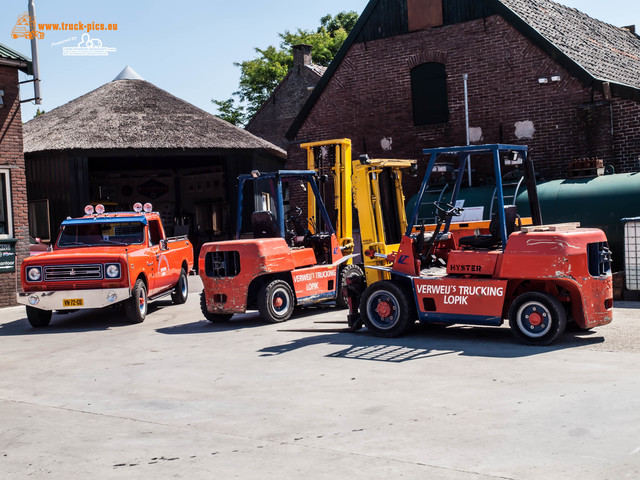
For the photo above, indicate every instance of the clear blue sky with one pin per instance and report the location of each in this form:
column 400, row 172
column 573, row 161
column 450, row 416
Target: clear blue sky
column 187, row 48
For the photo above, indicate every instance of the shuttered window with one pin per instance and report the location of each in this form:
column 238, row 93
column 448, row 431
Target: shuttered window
column 429, row 94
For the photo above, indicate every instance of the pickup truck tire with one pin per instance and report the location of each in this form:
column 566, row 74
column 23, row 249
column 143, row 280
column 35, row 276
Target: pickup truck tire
column 213, row 317
column 181, row 291
column 38, row 318
column 346, row 272
column 136, row 307
column 387, row 309
column 537, row 318
column 276, row 301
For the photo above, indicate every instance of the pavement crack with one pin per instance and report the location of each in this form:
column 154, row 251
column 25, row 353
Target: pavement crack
column 296, row 443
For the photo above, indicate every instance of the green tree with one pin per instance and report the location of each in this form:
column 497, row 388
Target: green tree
column 261, row 75
column 39, row 112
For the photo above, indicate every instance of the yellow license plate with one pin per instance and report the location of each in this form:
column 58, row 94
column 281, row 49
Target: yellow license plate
column 72, row 302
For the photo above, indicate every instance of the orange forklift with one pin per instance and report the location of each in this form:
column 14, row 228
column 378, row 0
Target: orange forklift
column 539, row 277
column 282, row 261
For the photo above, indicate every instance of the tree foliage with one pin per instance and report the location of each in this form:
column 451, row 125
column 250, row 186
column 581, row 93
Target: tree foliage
column 261, row 75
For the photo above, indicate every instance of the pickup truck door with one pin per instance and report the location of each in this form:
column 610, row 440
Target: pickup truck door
column 163, row 270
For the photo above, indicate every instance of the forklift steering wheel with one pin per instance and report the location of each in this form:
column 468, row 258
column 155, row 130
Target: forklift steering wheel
column 446, row 210
column 294, row 212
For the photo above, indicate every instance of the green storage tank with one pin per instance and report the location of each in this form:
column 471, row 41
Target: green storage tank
column 473, row 197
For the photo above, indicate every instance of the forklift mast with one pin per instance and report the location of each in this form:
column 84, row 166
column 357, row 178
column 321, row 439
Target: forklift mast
column 333, row 157
column 375, row 187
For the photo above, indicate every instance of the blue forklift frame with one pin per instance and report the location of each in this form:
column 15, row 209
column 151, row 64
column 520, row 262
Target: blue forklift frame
column 280, row 175
column 463, row 153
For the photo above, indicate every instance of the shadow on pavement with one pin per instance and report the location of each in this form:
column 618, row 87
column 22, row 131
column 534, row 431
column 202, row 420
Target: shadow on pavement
column 429, row 341
column 239, row 321
column 80, row 321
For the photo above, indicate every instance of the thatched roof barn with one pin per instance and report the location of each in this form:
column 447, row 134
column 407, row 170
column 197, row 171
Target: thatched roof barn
column 133, row 113
column 130, row 141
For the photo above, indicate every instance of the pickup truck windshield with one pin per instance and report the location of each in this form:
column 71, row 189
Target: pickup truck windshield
column 103, row 233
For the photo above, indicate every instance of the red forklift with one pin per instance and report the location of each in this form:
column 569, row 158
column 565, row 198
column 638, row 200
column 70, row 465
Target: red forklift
column 279, row 259
column 539, row 277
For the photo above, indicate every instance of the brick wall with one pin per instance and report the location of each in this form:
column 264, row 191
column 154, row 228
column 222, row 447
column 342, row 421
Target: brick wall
column 11, row 157
column 369, row 100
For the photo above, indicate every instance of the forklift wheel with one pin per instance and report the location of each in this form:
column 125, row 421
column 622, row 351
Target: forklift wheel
column 276, row 301
column 213, row 317
column 387, row 310
column 537, row 318
column 346, row 272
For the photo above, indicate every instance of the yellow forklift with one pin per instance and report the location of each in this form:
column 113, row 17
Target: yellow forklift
column 375, row 188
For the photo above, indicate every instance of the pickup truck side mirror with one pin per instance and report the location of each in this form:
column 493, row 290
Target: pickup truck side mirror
column 164, row 244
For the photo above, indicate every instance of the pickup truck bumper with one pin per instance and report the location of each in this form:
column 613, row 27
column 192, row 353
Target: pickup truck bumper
column 73, row 299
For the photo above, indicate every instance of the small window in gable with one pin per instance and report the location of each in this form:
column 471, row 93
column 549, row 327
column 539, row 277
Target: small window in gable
column 429, row 94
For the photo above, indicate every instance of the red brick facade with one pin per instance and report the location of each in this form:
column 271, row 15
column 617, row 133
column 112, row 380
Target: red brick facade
column 368, row 99
column 12, row 159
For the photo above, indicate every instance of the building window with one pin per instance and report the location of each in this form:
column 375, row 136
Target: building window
column 429, row 94
column 6, row 222
column 39, row 225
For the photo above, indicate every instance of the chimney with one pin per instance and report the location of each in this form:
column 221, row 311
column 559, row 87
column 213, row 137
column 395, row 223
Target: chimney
column 301, row 55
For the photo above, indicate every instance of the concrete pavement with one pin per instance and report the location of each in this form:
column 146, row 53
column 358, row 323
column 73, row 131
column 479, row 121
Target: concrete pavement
column 177, row 397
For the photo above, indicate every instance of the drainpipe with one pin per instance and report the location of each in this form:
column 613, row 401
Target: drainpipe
column 465, row 77
column 34, row 54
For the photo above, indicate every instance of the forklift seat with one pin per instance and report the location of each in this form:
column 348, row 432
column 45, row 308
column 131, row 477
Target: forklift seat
column 493, row 240
column 263, row 224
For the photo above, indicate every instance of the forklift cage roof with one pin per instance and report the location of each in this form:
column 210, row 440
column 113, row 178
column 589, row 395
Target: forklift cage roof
column 463, row 153
column 280, row 175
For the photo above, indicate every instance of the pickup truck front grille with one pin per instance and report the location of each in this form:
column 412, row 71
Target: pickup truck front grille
column 61, row 273
column 222, row 264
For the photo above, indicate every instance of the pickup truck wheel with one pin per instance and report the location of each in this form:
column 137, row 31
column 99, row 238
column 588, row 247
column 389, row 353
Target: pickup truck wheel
column 387, row 310
column 213, row 317
column 181, row 291
column 136, row 308
column 38, row 318
column 537, row 318
column 276, row 301
column 346, row 272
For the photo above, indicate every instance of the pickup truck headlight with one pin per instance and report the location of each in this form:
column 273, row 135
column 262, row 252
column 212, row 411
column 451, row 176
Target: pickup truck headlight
column 112, row 270
column 34, row 274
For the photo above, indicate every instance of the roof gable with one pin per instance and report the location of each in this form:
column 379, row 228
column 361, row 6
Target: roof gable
column 592, row 50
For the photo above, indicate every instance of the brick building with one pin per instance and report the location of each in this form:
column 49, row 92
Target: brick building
column 275, row 116
column 14, row 227
column 539, row 73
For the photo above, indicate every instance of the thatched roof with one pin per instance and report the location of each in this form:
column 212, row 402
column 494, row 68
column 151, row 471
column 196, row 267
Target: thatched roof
column 135, row 114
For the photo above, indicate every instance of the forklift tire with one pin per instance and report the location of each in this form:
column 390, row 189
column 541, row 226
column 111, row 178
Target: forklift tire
column 537, row 318
column 38, row 318
column 213, row 317
column 276, row 301
column 136, row 307
column 387, row 310
column 346, row 272
column 181, row 290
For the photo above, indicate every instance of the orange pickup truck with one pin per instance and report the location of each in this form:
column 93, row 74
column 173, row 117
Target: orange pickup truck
column 101, row 260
